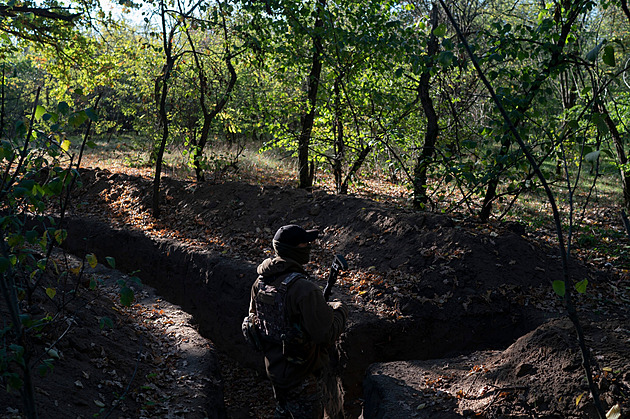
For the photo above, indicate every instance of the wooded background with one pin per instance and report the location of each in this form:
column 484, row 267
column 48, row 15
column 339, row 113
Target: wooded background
column 346, row 88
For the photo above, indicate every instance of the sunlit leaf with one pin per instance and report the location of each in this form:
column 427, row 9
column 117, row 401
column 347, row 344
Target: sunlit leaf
column 65, row 145
column 577, row 401
column 39, row 111
column 614, row 412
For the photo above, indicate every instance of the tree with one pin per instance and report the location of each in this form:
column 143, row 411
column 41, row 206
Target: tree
column 204, row 91
column 432, row 129
column 563, row 286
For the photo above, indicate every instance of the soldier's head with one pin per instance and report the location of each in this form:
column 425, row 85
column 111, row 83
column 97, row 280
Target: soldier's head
column 293, row 242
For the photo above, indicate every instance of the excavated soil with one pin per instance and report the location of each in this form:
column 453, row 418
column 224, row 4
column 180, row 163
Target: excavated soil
column 475, row 299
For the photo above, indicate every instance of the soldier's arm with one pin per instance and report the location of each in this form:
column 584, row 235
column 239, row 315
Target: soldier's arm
column 323, row 323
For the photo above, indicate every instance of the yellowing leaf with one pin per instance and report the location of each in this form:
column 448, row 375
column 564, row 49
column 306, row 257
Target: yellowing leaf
column 65, row 145
column 577, row 401
column 92, row 261
column 61, row 235
column 51, row 292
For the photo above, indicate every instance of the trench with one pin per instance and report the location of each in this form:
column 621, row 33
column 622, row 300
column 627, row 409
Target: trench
column 215, row 290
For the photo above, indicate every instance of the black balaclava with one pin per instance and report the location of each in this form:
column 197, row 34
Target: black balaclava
column 301, row 255
column 287, row 240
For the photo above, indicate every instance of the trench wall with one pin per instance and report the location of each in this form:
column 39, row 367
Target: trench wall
column 216, row 290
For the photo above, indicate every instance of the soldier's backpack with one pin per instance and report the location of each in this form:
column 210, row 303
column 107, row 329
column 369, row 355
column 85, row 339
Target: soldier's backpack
column 271, row 322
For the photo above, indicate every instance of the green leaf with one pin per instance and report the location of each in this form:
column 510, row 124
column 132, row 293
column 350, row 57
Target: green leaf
column 111, row 262
column 61, row 235
column 39, row 111
column 51, row 292
column 77, row 118
column 609, row 56
column 559, row 287
column 106, row 322
column 14, row 382
column 440, row 31
column 445, row 58
column 53, row 353
column 91, row 114
column 32, row 236
column 92, row 260
column 581, row 286
column 63, row 108
column 126, row 296
column 45, row 367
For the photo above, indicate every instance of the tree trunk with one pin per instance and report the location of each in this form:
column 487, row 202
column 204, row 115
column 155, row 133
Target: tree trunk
column 339, row 144
column 161, row 90
column 430, row 137
column 355, row 168
column 308, row 117
column 622, row 158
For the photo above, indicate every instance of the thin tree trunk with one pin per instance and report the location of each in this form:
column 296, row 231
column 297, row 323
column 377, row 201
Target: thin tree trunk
column 430, row 137
column 308, row 117
column 354, row 169
column 622, row 158
column 161, row 90
column 2, row 102
column 339, row 141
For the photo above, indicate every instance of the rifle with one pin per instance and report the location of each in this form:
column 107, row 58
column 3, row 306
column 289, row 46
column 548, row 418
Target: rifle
column 339, row 263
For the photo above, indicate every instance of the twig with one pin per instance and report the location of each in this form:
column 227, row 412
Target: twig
column 56, row 342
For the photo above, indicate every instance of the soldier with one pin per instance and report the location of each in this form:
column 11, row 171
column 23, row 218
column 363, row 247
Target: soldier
column 296, row 326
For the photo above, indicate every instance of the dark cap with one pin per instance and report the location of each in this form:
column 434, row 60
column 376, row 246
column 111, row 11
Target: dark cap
column 294, row 235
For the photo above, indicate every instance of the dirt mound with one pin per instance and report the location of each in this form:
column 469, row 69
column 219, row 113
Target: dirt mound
column 540, row 375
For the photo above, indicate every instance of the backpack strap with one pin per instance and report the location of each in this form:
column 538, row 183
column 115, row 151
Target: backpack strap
column 290, row 279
